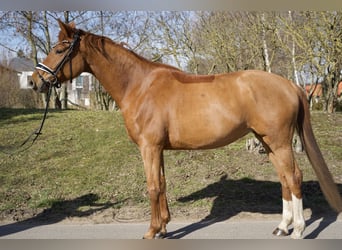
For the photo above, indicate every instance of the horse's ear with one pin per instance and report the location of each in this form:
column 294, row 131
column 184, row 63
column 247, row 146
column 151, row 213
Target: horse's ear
column 66, row 29
column 72, row 25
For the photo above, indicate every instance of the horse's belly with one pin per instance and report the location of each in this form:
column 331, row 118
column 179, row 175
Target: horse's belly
column 206, row 118
column 205, row 135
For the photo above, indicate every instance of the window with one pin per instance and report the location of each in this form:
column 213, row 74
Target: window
column 79, row 82
column 29, row 79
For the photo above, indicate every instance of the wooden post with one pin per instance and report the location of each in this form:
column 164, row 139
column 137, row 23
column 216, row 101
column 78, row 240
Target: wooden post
column 64, row 96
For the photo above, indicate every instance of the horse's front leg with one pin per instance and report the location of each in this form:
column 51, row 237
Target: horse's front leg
column 152, row 164
column 164, row 208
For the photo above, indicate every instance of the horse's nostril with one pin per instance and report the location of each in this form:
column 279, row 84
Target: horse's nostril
column 33, row 85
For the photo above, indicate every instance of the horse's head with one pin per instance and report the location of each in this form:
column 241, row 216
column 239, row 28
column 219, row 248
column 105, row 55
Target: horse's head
column 63, row 62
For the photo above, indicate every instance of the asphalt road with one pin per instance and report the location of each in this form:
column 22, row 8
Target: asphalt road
column 319, row 228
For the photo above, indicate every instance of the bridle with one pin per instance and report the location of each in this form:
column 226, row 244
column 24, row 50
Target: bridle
column 54, row 82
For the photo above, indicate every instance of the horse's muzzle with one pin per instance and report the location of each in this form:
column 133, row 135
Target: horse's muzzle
column 43, row 88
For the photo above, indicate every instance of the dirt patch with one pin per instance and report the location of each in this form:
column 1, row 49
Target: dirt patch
column 131, row 214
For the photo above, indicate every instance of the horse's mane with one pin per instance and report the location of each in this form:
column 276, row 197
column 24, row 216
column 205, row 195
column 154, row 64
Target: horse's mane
column 97, row 42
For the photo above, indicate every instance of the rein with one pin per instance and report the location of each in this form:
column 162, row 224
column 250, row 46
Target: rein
column 53, row 84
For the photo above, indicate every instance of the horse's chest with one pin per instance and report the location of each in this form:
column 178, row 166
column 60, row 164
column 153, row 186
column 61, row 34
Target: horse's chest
column 144, row 124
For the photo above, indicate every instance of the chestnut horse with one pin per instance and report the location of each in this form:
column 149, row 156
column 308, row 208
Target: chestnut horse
column 165, row 108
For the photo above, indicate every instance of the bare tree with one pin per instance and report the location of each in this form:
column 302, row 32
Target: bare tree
column 264, row 43
column 293, row 56
column 297, row 45
column 319, row 34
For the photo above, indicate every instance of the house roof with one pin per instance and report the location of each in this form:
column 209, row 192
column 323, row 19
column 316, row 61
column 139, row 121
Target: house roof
column 21, row 64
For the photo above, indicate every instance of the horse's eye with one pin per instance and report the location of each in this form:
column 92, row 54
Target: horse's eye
column 59, row 51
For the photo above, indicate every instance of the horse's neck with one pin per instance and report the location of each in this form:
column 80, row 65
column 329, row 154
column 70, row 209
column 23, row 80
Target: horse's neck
column 118, row 70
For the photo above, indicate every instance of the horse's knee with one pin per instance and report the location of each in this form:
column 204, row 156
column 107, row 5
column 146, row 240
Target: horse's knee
column 154, row 194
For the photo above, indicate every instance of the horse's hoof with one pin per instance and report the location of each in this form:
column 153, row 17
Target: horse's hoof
column 147, row 237
column 279, row 232
column 157, row 236
column 160, row 236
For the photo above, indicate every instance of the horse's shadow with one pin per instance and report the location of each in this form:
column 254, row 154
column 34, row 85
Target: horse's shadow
column 58, row 211
column 247, row 195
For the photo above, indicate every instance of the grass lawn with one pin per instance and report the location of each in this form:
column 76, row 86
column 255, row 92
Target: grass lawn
column 84, row 159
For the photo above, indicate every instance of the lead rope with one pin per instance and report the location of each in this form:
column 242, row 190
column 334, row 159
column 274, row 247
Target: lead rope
column 35, row 134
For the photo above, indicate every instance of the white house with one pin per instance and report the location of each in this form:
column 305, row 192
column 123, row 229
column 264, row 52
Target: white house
column 24, row 68
column 80, row 88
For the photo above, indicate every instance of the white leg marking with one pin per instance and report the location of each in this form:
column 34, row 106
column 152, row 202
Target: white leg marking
column 287, row 216
column 298, row 218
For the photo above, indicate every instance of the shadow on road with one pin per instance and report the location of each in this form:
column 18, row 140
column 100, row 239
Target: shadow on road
column 58, row 211
column 247, row 195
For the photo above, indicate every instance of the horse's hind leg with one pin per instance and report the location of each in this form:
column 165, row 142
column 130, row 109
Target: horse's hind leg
column 291, row 179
